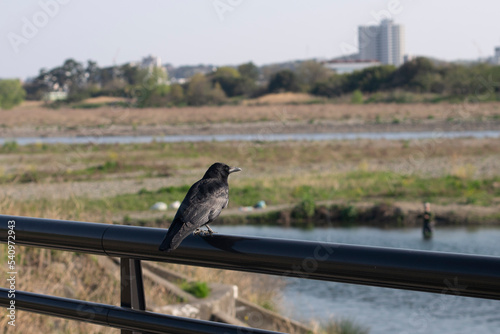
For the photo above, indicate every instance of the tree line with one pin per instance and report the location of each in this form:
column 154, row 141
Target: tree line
column 149, row 87
column 419, row 76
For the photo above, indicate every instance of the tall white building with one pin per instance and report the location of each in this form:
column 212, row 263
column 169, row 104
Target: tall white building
column 385, row 43
column 496, row 56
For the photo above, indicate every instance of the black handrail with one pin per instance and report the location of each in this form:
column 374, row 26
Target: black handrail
column 458, row 274
column 119, row 317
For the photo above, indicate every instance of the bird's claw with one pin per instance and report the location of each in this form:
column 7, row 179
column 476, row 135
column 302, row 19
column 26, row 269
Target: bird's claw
column 209, row 230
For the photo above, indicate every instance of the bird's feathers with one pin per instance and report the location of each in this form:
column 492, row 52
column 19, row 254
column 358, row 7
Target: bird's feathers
column 203, row 203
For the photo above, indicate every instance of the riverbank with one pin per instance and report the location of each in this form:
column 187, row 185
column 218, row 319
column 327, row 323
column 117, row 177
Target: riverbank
column 37, row 121
column 386, row 214
column 308, row 184
column 119, row 183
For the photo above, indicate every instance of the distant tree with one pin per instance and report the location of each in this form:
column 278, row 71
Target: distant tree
column 176, row 94
column 130, row 74
column 370, row 79
column 334, row 86
column 93, row 73
column 217, row 95
column 150, row 78
column 421, row 75
column 229, row 79
column 72, row 75
column 151, row 89
column 198, row 90
column 249, row 71
column 311, row 72
column 416, row 75
column 201, row 92
column 248, row 81
column 283, row 81
column 11, row 93
column 156, row 97
column 268, row 70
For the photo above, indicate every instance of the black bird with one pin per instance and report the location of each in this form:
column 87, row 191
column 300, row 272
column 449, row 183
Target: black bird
column 202, row 205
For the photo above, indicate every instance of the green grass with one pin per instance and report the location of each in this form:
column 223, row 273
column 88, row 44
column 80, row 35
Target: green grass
column 197, row 289
column 351, row 186
column 9, row 146
column 344, row 326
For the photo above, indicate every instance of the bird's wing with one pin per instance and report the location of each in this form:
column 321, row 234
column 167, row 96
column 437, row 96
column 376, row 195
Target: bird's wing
column 204, row 202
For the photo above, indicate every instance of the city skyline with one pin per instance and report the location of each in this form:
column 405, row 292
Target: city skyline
column 36, row 34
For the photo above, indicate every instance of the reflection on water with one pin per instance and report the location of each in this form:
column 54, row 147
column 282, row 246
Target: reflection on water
column 390, row 310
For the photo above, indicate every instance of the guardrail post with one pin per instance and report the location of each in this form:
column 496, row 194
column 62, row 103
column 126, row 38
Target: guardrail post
column 132, row 287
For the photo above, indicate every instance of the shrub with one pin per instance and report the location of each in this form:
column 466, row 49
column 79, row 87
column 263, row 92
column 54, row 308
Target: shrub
column 197, row 289
column 357, row 97
column 11, row 93
column 305, row 209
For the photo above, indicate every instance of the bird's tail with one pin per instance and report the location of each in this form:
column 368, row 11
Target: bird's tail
column 173, row 238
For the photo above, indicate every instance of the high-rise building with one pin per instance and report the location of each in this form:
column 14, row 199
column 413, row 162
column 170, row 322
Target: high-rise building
column 496, row 56
column 385, row 43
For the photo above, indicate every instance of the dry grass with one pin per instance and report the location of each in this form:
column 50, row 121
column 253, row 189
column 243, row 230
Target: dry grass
column 79, row 276
column 186, row 161
column 64, row 274
column 264, row 290
column 283, row 98
column 103, row 99
column 36, row 116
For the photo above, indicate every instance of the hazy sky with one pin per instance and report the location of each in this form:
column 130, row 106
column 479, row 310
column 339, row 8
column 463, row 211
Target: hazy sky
column 43, row 33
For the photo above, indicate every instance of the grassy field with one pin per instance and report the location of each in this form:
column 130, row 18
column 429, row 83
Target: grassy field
column 37, row 116
column 109, row 180
column 111, row 183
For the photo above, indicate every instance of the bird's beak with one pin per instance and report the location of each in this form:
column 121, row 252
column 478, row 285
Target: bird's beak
column 234, row 169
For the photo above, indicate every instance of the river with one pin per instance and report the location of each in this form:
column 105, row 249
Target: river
column 387, row 310
column 254, row 137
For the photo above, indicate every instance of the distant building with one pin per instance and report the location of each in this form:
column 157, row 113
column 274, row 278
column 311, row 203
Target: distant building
column 385, row 43
column 496, row 56
column 349, row 66
column 151, row 62
column 55, row 96
column 407, row 58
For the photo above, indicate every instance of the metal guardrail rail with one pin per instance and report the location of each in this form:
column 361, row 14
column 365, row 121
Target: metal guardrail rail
column 458, row 274
column 118, row 317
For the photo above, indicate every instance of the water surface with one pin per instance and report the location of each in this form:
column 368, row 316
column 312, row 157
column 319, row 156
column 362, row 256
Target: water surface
column 254, row 137
column 387, row 310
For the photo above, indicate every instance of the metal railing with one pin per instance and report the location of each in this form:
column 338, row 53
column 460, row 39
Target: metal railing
column 129, row 320
column 458, row 274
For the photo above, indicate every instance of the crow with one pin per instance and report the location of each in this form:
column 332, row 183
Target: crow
column 202, row 205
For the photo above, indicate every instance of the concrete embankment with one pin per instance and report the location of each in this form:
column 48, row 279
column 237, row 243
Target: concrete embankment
column 222, row 305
